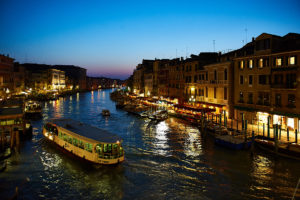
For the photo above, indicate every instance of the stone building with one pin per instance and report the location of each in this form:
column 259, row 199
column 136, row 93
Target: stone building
column 6, row 76
column 266, row 81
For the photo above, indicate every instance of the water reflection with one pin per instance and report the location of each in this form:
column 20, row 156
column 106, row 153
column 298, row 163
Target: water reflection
column 161, row 140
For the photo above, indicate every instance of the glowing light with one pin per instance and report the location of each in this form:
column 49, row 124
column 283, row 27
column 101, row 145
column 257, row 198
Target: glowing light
column 290, row 123
column 51, row 137
column 262, row 117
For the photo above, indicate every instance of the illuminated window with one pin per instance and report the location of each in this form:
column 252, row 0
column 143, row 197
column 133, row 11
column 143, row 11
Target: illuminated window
column 292, row 60
column 250, row 64
column 260, row 63
column 290, row 123
column 241, row 64
column 277, row 119
column 262, row 117
column 278, row 62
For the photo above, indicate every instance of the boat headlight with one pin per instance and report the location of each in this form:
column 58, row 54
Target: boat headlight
column 51, row 137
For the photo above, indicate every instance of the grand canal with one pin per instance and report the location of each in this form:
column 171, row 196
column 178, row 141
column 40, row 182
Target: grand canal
column 168, row 160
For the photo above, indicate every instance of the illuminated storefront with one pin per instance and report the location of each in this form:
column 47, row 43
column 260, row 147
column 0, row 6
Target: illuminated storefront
column 262, row 118
column 291, row 123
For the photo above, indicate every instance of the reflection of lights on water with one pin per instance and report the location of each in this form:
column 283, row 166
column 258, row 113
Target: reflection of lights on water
column 106, row 121
column 192, row 143
column 262, row 169
column 192, row 146
column 71, row 98
column 161, row 140
column 98, row 94
column 50, row 160
column 92, row 97
column 77, row 96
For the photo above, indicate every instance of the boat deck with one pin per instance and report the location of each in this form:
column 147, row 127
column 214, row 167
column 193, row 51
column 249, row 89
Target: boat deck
column 86, row 130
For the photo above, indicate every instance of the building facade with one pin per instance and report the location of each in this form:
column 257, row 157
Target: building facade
column 266, row 81
column 6, row 76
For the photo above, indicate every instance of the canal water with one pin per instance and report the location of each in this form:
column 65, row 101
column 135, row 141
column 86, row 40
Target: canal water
column 168, row 160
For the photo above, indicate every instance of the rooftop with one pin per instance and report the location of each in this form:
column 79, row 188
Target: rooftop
column 86, row 130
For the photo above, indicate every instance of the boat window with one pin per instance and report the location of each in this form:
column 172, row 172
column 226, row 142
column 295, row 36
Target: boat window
column 88, row 147
column 81, row 145
column 75, row 142
column 99, row 148
column 109, row 147
column 55, row 131
column 69, row 139
column 65, row 137
column 121, row 151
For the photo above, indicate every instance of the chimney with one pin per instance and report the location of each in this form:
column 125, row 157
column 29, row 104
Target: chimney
column 253, row 39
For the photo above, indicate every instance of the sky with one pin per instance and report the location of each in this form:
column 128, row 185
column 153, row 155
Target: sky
column 109, row 38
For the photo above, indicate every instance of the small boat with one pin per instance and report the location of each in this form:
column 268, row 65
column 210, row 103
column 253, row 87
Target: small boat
column 284, row 149
column 145, row 114
column 33, row 109
column 159, row 115
column 162, row 115
column 233, row 142
column 89, row 143
column 105, row 112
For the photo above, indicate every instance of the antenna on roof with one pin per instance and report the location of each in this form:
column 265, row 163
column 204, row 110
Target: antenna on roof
column 214, row 45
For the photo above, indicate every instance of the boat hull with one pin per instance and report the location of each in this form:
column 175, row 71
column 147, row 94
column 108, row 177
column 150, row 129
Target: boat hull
column 80, row 153
column 288, row 150
column 232, row 144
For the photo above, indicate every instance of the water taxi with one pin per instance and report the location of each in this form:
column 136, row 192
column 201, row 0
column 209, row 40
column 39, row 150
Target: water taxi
column 87, row 142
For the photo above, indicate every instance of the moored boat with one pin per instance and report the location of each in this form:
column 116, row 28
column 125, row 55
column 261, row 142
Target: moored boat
column 33, row 109
column 233, row 142
column 105, row 112
column 284, row 149
column 85, row 141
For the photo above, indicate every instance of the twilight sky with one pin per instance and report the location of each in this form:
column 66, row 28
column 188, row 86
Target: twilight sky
column 110, row 38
